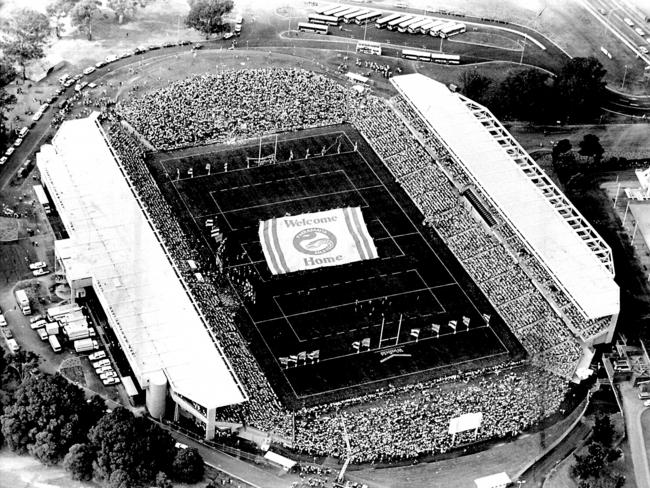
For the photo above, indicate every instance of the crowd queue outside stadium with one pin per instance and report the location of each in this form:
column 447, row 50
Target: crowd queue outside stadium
column 393, row 423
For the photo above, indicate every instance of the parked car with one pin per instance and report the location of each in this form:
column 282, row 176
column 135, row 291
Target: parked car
column 42, row 333
column 13, row 345
column 3, row 160
column 18, row 142
column 101, row 362
column 3, row 321
column 7, row 332
column 111, row 381
column 38, row 265
column 40, row 272
column 96, row 356
column 108, row 374
column 10, row 151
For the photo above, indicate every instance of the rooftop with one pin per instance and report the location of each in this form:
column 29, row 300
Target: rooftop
column 156, row 322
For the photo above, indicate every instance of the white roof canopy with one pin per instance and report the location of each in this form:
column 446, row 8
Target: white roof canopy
column 568, row 246
column 155, row 321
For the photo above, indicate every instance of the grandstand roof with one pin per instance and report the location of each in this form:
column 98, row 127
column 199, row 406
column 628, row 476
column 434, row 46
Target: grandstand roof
column 547, row 222
column 155, row 320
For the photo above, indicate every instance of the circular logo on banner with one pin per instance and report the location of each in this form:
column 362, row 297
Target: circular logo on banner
column 314, row 241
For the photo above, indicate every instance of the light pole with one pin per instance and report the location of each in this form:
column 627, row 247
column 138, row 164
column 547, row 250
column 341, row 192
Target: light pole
column 624, row 76
column 523, row 49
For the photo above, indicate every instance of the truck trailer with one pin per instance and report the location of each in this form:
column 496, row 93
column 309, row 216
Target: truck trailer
column 85, row 345
column 23, row 302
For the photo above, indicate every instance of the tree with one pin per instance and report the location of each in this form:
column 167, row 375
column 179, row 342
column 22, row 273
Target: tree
column 125, row 8
column 120, row 479
column 22, row 364
column 207, row 16
column 26, row 32
column 188, row 466
column 84, row 14
column 590, row 146
column 603, row 431
column 58, row 10
column 131, row 444
column 525, row 95
column 580, row 88
column 163, row 481
column 475, row 86
column 47, row 417
column 79, row 462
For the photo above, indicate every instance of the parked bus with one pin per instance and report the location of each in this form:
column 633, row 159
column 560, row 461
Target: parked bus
column 318, row 29
column 442, row 58
column 54, row 342
column 393, row 24
column 369, row 47
column 323, row 19
column 424, row 28
column 414, row 28
column 348, row 18
column 434, row 30
column 322, row 9
column 369, row 17
column 335, row 10
column 42, row 198
column 416, row 55
column 383, row 22
column 346, row 11
column 405, row 25
column 452, row 30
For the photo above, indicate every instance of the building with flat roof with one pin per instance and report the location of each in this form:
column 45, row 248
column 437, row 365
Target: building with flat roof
column 114, row 248
column 552, row 229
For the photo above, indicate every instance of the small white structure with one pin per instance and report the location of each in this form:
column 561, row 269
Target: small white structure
column 498, row 480
column 468, row 421
column 276, row 458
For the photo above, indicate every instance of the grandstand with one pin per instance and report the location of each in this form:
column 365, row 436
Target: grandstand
column 553, row 231
column 113, row 248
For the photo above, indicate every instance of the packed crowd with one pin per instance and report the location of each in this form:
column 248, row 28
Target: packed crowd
column 236, row 104
column 392, row 426
column 432, row 180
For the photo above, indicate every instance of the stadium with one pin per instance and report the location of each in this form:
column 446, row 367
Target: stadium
column 349, row 275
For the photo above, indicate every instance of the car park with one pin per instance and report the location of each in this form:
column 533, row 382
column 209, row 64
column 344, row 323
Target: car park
column 89, row 70
column 96, row 356
column 3, row 321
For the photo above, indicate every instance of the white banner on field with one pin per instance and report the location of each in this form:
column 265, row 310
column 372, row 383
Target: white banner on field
column 315, row 240
column 469, row 421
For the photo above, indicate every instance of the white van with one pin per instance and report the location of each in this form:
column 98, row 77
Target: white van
column 13, row 345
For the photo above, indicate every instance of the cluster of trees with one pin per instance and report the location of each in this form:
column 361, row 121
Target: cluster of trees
column 593, row 468
column 206, row 16
column 575, row 94
column 51, row 419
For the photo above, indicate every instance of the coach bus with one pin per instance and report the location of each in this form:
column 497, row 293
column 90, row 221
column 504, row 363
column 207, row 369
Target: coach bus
column 383, row 22
column 369, row 47
column 323, row 19
column 316, row 28
column 42, row 198
column 424, row 28
column 345, row 12
column 416, row 55
column 435, row 29
column 452, row 30
column 394, row 24
column 414, row 28
column 369, row 17
column 349, row 18
column 442, row 58
column 322, row 9
column 405, row 25
column 334, row 10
